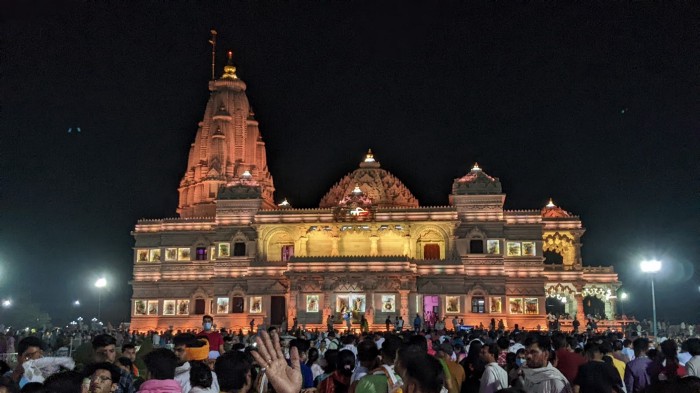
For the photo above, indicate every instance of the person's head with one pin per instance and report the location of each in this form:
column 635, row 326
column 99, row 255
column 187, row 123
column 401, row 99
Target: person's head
column 331, row 357
column 345, row 363
column 233, row 370
column 161, row 364
column 559, row 341
column 200, row 375
column 105, row 348
column 693, row 346
column 539, row 349
column 124, row 363
column 129, row 351
column 367, row 353
column 503, row 343
column 312, row 356
column 180, row 342
column 63, row 382
column 640, row 346
column 489, row 353
column 421, row 373
column 104, row 377
column 302, row 346
column 207, row 322
column 592, row 350
column 390, row 346
column 419, row 341
column 30, row 348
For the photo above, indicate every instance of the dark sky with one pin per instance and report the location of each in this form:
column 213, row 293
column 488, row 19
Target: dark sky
column 596, row 106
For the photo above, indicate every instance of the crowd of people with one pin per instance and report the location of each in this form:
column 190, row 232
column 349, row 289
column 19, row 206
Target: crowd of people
column 432, row 359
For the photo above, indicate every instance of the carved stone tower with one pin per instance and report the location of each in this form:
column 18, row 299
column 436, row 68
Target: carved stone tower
column 228, row 147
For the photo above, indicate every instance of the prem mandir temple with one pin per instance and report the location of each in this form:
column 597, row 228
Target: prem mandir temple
column 368, row 249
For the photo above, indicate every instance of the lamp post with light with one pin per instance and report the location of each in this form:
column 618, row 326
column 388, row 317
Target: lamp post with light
column 623, row 297
column 651, row 267
column 99, row 284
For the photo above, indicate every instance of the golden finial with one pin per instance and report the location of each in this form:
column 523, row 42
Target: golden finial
column 229, row 69
column 369, row 157
column 551, row 204
column 476, row 167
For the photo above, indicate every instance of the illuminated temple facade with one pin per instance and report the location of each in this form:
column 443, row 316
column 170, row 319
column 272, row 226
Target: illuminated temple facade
column 369, row 248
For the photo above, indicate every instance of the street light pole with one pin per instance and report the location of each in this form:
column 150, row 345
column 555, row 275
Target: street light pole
column 653, row 306
column 100, row 283
column 652, row 267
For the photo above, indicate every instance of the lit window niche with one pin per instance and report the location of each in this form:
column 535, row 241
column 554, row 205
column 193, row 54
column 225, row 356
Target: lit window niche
column 452, row 304
column 518, row 249
column 256, row 304
column 184, row 254
column 531, row 305
column 141, row 255
column 183, row 307
column 478, row 304
column 312, row 302
column 496, row 305
column 140, row 307
column 169, row 307
column 516, row 305
column 224, row 250
column 493, row 247
column 171, row 254
column 222, row 304
column 154, row 255
column 153, row 307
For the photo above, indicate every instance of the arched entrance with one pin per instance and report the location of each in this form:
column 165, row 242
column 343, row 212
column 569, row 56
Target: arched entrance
column 593, row 306
column 555, row 306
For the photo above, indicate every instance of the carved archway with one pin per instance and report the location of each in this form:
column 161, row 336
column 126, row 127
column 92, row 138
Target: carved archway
column 562, row 244
column 430, row 244
column 275, row 242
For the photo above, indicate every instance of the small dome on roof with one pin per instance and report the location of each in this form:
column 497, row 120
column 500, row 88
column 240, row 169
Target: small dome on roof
column 476, row 182
column 380, row 186
column 553, row 211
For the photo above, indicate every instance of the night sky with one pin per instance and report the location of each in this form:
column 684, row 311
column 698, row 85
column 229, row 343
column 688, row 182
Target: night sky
column 596, row 106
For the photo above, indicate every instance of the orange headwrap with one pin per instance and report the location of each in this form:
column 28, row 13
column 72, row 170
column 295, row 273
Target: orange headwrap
column 198, row 353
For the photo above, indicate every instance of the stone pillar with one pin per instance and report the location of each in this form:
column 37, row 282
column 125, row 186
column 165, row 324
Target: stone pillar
column 404, row 305
column 327, row 308
column 302, row 246
column 579, row 309
column 292, row 306
column 334, row 246
column 612, row 311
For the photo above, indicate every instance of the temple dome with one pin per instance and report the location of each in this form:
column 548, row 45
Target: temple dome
column 476, row 182
column 382, row 188
column 553, row 211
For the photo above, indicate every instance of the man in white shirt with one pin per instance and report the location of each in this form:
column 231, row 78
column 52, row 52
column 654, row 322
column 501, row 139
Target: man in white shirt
column 494, row 377
column 540, row 376
column 692, row 366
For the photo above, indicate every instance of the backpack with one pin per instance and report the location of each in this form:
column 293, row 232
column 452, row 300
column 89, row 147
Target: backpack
column 333, row 343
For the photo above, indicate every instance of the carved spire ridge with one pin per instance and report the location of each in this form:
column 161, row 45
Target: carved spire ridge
column 229, row 69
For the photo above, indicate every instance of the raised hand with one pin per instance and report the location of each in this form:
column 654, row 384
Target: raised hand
column 283, row 378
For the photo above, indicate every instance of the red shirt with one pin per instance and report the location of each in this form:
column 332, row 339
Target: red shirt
column 215, row 339
column 568, row 362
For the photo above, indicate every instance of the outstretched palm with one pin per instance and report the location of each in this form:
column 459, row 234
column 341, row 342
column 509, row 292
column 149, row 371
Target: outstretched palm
column 282, row 377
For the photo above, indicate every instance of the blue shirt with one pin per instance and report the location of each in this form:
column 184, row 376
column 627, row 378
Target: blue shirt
column 307, row 376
